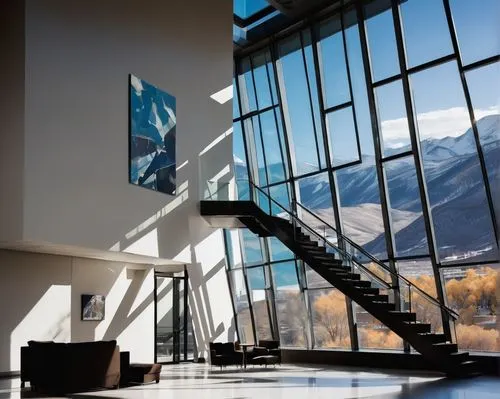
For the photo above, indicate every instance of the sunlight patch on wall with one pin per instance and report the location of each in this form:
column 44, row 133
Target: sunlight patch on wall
column 48, row 320
column 113, row 300
column 144, row 291
column 184, row 255
column 227, row 133
column 210, row 251
column 172, row 205
column 146, row 245
column 181, row 165
column 224, row 95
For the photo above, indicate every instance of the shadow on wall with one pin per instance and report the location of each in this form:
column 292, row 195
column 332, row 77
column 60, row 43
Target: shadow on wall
column 39, row 310
column 123, row 316
column 132, row 239
column 201, row 305
column 171, row 226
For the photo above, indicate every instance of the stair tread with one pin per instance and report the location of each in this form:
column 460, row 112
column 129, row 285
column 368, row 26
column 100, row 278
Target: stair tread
column 319, row 256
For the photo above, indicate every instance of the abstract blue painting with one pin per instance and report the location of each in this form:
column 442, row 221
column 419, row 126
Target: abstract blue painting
column 152, row 137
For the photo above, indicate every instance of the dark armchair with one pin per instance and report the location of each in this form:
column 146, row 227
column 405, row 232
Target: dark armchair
column 273, row 347
column 267, row 352
column 224, row 354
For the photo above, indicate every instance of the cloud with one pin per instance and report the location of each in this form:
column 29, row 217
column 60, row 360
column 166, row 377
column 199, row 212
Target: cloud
column 435, row 124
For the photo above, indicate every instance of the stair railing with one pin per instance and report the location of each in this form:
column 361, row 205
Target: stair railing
column 410, row 290
column 343, row 255
column 347, row 250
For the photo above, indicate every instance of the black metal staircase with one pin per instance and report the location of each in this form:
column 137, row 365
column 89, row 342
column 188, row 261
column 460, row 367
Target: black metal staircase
column 382, row 292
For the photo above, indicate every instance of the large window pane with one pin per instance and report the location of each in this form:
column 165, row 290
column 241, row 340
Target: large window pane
column 241, row 304
column 462, row 221
column 233, row 248
column 258, row 287
column 358, row 186
column 372, row 334
column 274, row 150
column 476, row 23
column 296, row 106
column 343, row 138
column 252, row 249
column 421, row 274
column 361, row 207
column 165, row 319
column 314, row 280
column 331, row 326
column 311, row 75
column 356, row 69
column 278, row 250
column 281, row 195
column 240, row 163
column 246, row 85
column 473, row 293
column 236, row 106
column 332, row 60
column 262, row 84
column 392, row 119
column 426, row 32
column 246, row 8
column 484, row 89
column 315, row 195
column 290, row 306
column 405, row 207
column 381, row 40
column 255, row 151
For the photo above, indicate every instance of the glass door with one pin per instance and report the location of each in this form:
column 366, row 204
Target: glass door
column 174, row 334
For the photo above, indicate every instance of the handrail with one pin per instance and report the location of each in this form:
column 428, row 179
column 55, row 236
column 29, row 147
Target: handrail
column 454, row 315
column 381, row 281
column 451, row 312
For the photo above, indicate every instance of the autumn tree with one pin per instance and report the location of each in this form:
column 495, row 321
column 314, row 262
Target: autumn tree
column 379, row 339
column 477, row 338
column 476, row 290
column 293, row 319
column 426, row 310
column 330, row 316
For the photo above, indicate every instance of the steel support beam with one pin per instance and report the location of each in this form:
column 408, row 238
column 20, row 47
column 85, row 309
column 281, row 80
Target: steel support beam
column 419, row 166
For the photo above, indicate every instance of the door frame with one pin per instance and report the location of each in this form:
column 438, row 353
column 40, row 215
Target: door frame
column 178, row 357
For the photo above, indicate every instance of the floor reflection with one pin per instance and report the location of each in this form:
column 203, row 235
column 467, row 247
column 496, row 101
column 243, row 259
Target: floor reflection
column 285, row 382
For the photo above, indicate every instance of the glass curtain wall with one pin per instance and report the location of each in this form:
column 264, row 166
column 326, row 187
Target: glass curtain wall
column 383, row 118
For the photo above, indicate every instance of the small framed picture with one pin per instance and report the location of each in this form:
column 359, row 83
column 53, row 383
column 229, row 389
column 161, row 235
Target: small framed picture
column 92, row 307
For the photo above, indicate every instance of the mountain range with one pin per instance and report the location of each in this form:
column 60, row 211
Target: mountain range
column 462, row 221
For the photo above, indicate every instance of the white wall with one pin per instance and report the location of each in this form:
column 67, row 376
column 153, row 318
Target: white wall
column 129, row 309
column 12, row 119
column 36, row 302
column 75, row 191
column 41, row 300
column 78, row 58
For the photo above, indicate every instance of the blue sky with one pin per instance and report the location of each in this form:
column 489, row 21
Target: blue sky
column 438, row 94
column 245, row 8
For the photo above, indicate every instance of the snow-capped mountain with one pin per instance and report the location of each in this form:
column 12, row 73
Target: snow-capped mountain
column 455, row 188
column 448, row 147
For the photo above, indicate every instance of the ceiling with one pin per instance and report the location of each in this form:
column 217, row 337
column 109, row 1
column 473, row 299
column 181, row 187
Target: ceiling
column 254, row 20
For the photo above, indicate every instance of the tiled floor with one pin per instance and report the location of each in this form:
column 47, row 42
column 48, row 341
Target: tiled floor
column 288, row 382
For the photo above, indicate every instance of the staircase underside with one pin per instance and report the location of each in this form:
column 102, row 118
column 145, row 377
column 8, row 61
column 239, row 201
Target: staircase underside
column 442, row 354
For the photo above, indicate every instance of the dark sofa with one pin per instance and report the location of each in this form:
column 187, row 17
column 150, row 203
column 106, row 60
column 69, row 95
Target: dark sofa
column 58, row 368
column 225, row 354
